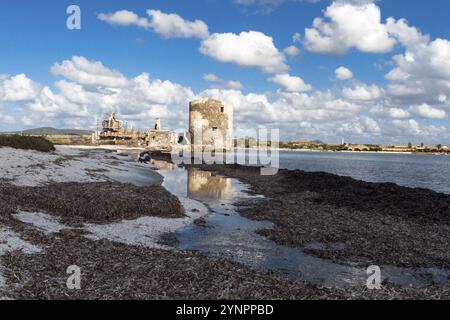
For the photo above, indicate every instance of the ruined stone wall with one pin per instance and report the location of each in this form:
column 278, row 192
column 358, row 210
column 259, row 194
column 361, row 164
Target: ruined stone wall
column 160, row 140
column 215, row 118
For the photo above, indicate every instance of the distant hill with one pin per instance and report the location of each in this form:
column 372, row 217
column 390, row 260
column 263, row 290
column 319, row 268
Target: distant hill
column 54, row 131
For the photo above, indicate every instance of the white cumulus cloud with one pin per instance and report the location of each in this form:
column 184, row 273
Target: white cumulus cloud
column 347, row 25
column 18, row 88
column 90, row 73
column 88, row 90
column 124, row 18
column 426, row 111
column 168, row 25
column 292, row 51
column 362, row 92
column 290, row 83
column 342, row 73
column 247, row 49
column 174, row 26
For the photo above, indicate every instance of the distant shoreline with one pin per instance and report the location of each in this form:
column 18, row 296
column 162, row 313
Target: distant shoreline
column 353, row 152
column 275, row 149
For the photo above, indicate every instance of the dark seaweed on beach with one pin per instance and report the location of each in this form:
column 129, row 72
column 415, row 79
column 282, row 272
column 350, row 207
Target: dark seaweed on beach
column 94, row 202
column 117, row 271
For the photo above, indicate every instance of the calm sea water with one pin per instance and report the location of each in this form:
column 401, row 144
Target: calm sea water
column 410, row 170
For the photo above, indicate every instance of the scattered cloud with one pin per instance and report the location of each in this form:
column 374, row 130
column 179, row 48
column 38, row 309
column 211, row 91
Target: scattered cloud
column 165, row 24
column 124, row 18
column 413, row 101
column 174, row 26
column 247, row 49
column 221, row 83
column 18, row 88
column 348, row 25
column 292, row 51
column 87, row 90
column 297, row 37
column 409, row 126
column 426, row 111
column 422, row 73
column 290, row 83
column 342, row 73
column 362, row 126
column 362, row 92
column 85, row 72
column 386, row 112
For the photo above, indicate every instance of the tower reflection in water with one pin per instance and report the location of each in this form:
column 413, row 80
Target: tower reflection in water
column 196, row 184
column 163, row 165
column 204, row 185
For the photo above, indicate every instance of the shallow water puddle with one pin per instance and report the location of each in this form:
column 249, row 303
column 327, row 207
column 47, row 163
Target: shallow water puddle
column 226, row 234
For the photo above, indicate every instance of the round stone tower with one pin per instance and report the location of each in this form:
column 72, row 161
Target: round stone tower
column 211, row 124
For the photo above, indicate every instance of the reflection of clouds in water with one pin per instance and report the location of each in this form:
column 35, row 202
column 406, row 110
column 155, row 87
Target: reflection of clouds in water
column 175, row 181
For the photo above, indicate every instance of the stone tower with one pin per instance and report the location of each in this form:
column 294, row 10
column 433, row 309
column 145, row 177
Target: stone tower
column 158, row 124
column 214, row 120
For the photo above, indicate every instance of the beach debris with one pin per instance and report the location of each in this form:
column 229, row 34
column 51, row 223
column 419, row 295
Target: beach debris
column 201, row 222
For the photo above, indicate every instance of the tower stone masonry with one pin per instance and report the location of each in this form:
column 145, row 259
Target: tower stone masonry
column 211, row 124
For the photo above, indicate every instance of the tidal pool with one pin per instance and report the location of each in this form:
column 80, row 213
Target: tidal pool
column 226, row 234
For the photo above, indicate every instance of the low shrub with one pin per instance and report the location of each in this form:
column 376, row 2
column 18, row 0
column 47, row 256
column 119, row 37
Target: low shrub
column 26, row 142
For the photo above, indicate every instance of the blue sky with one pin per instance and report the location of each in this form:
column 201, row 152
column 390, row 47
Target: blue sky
column 368, row 107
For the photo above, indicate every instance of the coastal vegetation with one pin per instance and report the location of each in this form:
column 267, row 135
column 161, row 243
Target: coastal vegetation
column 312, row 146
column 26, row 142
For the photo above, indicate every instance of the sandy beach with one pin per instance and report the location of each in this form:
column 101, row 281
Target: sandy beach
column 102, row 211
